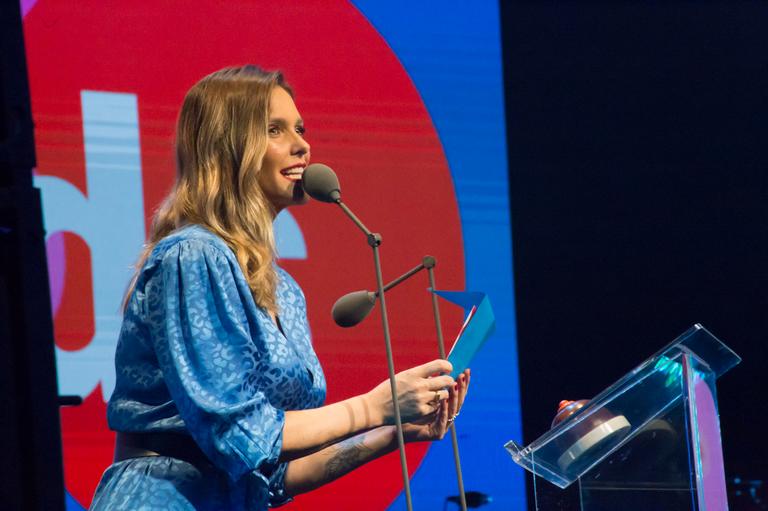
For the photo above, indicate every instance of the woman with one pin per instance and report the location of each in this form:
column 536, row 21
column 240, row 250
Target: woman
column 219, row 394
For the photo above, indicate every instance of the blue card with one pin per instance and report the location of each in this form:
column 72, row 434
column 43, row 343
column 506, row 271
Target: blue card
column 478, row 327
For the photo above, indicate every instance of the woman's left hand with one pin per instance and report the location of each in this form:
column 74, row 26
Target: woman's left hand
column 435, row 425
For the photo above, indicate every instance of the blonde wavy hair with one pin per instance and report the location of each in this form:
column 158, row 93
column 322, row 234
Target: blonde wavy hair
column 221, row 139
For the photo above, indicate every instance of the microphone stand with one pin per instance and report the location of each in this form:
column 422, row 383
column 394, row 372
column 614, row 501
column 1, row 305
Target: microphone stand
column 374, row 241
column 441, row 349
column 321, row 183
column 429, row 263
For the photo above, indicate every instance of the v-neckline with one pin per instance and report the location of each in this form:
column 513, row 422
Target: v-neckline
column 279, row 325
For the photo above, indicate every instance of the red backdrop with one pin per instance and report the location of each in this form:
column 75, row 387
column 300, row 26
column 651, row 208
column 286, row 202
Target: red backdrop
column 364, row 118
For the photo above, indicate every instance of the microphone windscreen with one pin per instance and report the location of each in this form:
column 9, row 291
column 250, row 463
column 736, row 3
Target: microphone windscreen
column 321, row 183
column 352, row 308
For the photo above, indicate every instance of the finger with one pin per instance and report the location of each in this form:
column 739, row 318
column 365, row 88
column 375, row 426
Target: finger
column 453, row 400
column 438, row 396
column 462, row 383
column 432, row 400
column 427, row 418
column 439, row 382
column 434, row 367
column 442, row 420
column 463, row 387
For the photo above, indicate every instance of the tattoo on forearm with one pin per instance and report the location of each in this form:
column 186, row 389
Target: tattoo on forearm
column 347, row 455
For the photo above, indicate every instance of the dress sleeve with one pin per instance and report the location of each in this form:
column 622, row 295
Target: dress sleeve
column 211, row 351
column 277, row 493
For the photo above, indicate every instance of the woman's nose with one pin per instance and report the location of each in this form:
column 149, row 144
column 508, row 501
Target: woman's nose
column 301, row 146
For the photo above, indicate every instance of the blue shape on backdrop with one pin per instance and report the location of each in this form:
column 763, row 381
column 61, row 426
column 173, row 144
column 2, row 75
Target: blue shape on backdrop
column 289, row 240
column 71, row 504
column 452, row 52
column 114, row 204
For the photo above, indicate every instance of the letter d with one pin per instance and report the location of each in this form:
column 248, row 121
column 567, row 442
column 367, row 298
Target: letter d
column 110, row 220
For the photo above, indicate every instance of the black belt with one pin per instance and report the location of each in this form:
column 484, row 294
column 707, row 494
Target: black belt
column 173, row 445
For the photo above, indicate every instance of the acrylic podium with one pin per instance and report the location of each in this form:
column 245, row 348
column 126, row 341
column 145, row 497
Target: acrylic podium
column 651, row 441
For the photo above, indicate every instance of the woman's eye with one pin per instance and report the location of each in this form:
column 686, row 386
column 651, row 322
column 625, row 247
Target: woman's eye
column 301, row 130
column 274, row 130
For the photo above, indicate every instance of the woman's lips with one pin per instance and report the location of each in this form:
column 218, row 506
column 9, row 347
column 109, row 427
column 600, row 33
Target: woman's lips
column 293, row 173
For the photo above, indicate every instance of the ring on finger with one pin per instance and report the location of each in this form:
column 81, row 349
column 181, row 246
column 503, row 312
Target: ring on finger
column 436, row 399
column 452, row 418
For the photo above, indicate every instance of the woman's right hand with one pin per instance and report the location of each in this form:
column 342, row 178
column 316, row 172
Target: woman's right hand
column 418, row 393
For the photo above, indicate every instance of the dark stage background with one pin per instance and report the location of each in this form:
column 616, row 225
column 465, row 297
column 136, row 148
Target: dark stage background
column 637, row 154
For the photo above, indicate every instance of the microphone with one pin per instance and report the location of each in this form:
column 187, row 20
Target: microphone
column 321, row 183
column 352, row 308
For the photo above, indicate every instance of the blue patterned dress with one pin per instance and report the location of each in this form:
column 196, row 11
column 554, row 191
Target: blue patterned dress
column 197, row 356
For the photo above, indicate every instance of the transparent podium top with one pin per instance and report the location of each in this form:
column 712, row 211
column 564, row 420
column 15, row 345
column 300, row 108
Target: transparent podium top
column 609, row 420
